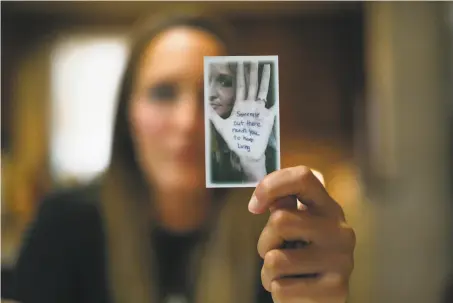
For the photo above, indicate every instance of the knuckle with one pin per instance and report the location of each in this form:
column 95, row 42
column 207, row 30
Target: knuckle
column 299, row 172
column 304, row 177
column 347, row 264
column 302, row 172
column 265, row 281
column 340, row 287
column 336, row 281
column 349, row 236
column 338, row 266
column 272, row 261
column 303, row 168
column 338, row 209
column 278, row 219
column 337, row 285
column 282, row 291
column 261, row 247
column 278, row 290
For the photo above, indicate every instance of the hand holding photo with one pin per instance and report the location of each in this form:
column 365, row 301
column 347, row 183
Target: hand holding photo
column 242, row 143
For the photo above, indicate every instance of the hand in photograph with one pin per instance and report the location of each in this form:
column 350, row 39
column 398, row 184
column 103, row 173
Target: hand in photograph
column 247, row 130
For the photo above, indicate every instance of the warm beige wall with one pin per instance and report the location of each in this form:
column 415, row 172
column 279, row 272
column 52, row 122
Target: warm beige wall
column 26, row 168
column 406, row 91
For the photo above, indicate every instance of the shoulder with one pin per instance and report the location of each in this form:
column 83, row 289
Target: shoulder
column 72, row 199
column 63, row 244
column 77, row 204
column 66, row 216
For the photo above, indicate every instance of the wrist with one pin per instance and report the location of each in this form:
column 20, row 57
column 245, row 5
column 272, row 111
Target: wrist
column 254, row 170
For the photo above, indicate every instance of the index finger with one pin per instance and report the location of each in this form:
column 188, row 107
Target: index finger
column 294, row 181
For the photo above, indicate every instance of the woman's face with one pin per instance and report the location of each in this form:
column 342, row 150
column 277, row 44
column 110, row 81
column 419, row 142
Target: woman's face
column 221, row 88
column 166, row 110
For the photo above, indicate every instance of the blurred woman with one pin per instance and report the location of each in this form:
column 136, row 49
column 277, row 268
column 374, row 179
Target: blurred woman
column 150, row 231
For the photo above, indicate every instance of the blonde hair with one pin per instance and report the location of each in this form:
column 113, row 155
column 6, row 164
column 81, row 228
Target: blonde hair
column 226, row 262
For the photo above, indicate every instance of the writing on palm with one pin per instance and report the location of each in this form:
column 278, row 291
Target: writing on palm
column 247, row 130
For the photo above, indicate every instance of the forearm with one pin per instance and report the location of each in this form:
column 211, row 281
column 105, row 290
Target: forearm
column 254, row 170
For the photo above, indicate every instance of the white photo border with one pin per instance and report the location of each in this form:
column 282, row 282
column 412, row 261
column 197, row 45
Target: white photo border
column 228, row 59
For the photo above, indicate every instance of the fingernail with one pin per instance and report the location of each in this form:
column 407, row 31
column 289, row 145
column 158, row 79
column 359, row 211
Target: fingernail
column 253, row 205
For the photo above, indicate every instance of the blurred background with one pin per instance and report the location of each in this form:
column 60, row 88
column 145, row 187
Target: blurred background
column 365, row 98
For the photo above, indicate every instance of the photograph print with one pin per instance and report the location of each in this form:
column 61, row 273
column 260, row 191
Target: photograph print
column 241, row 119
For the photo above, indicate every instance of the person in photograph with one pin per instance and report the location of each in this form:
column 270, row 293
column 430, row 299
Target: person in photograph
column 149, row 231
column 227, row 166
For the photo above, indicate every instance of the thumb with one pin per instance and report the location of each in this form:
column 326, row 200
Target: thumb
column 288, row 202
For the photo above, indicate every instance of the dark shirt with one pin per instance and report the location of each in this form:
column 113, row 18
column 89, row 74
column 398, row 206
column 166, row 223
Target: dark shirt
column 63, row 257
column 173, row 255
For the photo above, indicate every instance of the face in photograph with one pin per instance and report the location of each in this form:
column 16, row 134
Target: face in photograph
column 222, row 88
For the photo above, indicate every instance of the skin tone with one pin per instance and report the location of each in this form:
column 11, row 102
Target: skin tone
column 166, row 115
column 327, row 261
